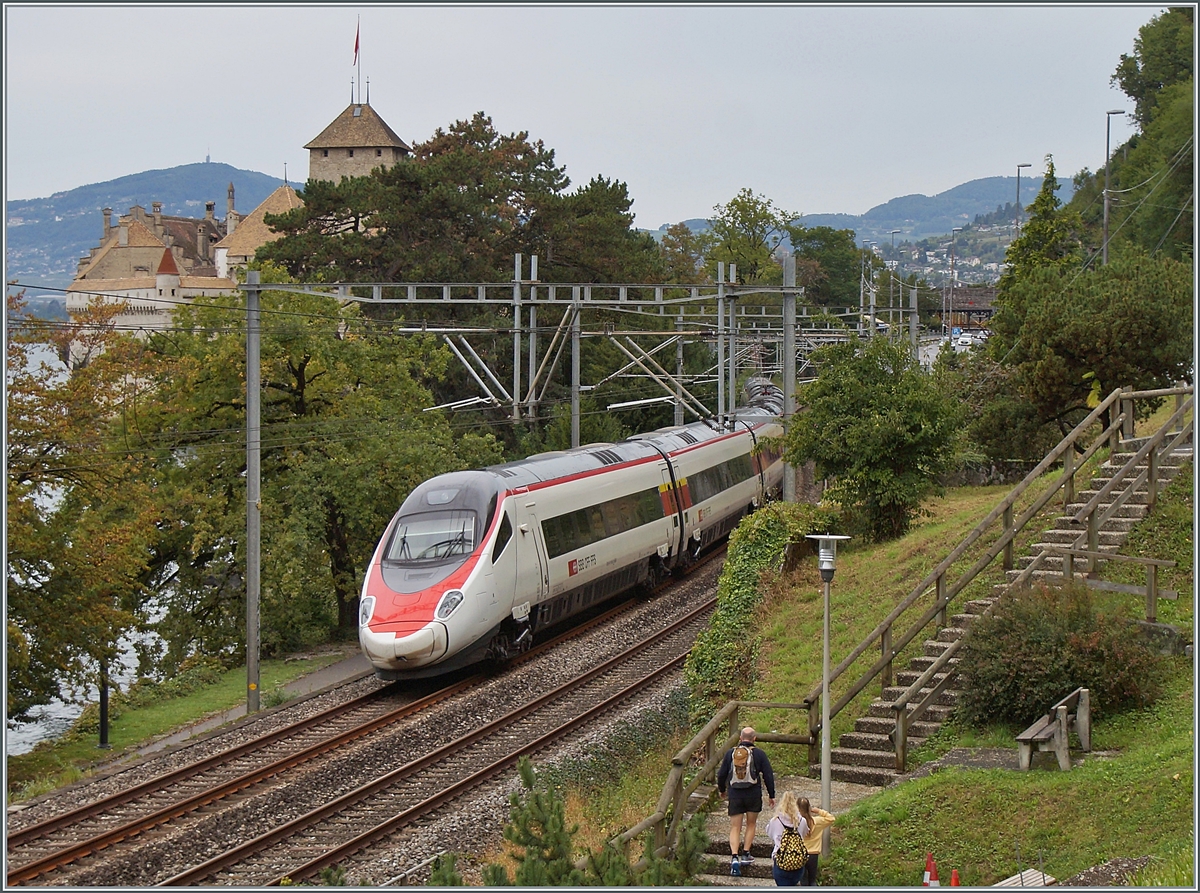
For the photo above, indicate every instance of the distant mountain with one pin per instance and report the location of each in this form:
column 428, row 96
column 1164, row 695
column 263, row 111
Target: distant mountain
column 920, row 216
column 47, row 236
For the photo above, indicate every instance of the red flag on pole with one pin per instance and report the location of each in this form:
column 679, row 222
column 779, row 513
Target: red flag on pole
column 355, row 62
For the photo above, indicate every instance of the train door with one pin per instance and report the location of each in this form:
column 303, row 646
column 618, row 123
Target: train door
column 670, row 504
column 498, row 580
column 533, row 576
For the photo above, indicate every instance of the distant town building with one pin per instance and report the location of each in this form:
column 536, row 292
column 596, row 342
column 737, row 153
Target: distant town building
column 236, row 250
column 357, row 142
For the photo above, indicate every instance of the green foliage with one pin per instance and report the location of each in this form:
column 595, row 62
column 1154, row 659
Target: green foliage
column 684, row 253
column 1050, row 238
column 537, row 827
column 877, row 425
column 1041, row 644
column 746, row 230
column 1177, row 869
column 1071, row 335
column 1000, row 423
column 1163, row 55
column 722, row 665
column 828, row 264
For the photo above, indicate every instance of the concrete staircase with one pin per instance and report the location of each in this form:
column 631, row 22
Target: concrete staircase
column 867, row 755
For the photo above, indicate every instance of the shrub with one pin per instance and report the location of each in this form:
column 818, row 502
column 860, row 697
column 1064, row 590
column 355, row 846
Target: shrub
column 723, row 662
column 1040, row 644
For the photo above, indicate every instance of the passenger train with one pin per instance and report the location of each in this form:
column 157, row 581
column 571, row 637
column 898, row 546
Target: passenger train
column 476, row 563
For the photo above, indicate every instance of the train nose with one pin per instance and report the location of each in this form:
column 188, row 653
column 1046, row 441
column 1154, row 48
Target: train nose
column 404, row 645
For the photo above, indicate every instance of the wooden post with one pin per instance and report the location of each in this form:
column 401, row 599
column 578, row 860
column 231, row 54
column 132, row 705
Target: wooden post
column 901, row 736
column 1127, row 411
column 1069, row 471
column 1152, row 477
column 1151, row 593
column 1008, row 531
column 941, row 595
column 814, row 732
column 885, row 645
column 1093, row 535
column 1083, row 720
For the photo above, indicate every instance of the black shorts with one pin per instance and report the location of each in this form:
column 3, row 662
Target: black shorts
column 745, row 799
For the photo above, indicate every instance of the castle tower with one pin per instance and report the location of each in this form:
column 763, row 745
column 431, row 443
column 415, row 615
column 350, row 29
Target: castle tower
column 357, row 142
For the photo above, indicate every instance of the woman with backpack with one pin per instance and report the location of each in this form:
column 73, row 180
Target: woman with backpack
column 818, row 820
column 787, row 830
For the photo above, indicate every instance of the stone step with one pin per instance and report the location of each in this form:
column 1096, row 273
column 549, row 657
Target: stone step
column 905, row 678
column 935, row 647
column 850, row 756
column 934, row 713
column 1138, row 497
column 1055, row 562
column 1064, row 536
column 883, row 726
column 1052, row 577
column 978, row 605
column 1135, row 510
column 868, row 775
column 921, row 663
column 947, row 698
column 950, row 634
column 756, row 873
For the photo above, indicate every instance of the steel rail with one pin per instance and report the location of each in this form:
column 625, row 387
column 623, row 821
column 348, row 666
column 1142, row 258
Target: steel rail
column 231, row 857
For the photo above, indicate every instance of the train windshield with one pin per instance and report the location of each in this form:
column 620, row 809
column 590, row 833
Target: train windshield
column 432, row 537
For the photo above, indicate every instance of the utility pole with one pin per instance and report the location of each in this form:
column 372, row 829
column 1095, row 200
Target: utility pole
column 789, row 365
column 957, row 229
column 253, row 485
column 1017, row 229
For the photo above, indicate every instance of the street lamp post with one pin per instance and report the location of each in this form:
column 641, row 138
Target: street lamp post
column 1107, row 136
column 1017, row 231
column 891, row 286
column 826, row 564
column 957, row 229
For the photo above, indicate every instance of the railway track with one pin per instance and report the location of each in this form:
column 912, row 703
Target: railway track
column 100, row 831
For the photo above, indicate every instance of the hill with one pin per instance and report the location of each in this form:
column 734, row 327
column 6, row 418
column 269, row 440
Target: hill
column 920, row 216
column 47, row 236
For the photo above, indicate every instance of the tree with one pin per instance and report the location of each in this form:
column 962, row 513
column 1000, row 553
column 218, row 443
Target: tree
column 1076, row 335
column 589, row 236
column 831, row 261
column 1162, row 56
column 684, row 253
column 455, row 211
column 78, row 520
column 344, row 440
column 544, row 849
column 746, row 230
column 1050, row 238
column 879, row 428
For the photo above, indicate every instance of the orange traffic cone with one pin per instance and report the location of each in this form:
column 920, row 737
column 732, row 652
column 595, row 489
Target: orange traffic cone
column 928, row 869
column 933, row 878
column 954, row 878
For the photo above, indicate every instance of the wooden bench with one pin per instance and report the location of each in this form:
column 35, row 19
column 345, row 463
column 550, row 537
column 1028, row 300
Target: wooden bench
column 1052, row 730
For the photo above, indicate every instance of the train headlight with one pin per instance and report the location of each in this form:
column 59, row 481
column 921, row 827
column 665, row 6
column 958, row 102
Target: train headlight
column 451, row 599
column 366, row 609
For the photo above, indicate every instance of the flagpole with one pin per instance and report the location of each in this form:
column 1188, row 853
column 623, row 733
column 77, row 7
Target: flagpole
column 357, row 57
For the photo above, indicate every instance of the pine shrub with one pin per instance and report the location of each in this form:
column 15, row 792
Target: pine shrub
column 1040, row 644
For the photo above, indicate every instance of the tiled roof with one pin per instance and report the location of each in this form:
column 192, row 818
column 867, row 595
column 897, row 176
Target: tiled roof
column 252, row 232
column 350, row 131
column 166, row 266
column 104, row 286
column 207, row 282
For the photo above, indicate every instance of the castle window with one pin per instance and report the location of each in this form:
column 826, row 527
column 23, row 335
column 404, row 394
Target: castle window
column 324, row 153
column 379, row 153
column 351, row 152
column 160, row 292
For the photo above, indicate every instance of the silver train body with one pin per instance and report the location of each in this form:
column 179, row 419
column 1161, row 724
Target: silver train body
column 476, row 563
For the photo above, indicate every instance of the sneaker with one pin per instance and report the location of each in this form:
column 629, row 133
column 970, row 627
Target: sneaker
column 745, row 858
column 735, row 867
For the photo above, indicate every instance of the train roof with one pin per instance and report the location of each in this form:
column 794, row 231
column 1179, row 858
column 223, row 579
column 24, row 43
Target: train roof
column 764, row 404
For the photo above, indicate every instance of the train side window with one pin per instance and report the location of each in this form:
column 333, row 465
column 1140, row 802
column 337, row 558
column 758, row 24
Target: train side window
column 503, row 535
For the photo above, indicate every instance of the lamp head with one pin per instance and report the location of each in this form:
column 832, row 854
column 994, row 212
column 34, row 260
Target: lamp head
column 1026, row 164
column 1115, row 112
column 826, row 553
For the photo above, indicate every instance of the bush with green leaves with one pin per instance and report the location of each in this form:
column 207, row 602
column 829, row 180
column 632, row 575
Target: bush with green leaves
column 1040, row 644
column 723, row 664
column 545, row 852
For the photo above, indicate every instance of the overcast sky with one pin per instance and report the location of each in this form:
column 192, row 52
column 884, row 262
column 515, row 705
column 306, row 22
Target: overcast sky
column 832, row 108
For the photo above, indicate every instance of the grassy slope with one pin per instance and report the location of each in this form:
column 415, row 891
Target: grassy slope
column 1135, row 798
